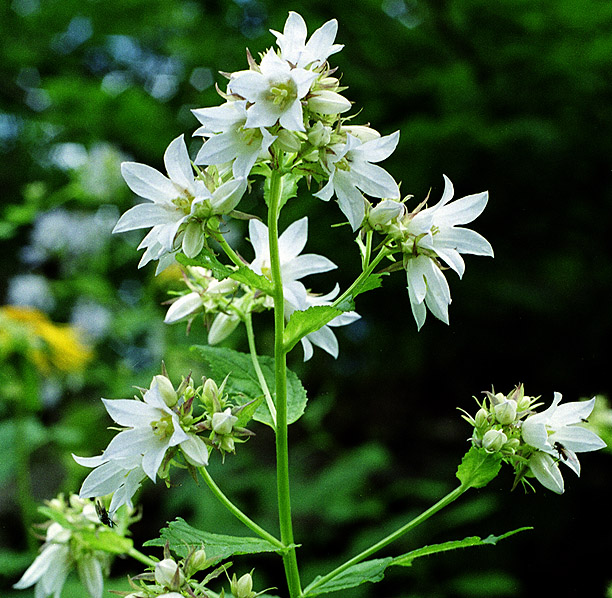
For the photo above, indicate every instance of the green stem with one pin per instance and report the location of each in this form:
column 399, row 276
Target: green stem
column 248, row 320
column 234, row 510
column 228, row 249
column 280, row 368
column 443, row 502
column 142, row 558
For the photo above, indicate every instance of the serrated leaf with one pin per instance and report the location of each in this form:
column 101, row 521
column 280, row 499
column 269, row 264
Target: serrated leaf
column 302, row 323
column 478, row 467
column 243, row 385
column 367, row 571
column 181, row 537
column 406, row 559
column 373, row 281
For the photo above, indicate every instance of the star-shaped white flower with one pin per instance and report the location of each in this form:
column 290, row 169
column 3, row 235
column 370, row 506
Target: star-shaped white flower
column 558, row 436
column 293, row 266
column 274, row 92
column 229, row 140
column 50, row 568
column 352, row 169
column 297, row 51
column 176, row 199
column 437, row 233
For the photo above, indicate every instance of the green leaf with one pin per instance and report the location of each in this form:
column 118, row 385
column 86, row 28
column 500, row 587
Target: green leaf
column 289, row 184
column 181, row 537
column 478, row 467
column 373, row 281
column 220, row 271
column 108, row 541
column 406, row 559
column 367, row 571
column 302, row 323
column 243, row 385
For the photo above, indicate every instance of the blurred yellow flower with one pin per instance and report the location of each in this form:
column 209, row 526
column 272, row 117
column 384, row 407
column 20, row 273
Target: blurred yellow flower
column 49, row 345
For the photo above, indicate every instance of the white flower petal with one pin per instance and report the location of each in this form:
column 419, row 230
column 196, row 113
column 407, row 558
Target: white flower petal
column 326, row 340
column 293, row 240
column 148, row 182
column 195, row 451
column 130, row 412
column 183, row 307
column 350, row 199
column 462, row 211
column 547, row 472
column 304, row 265
column 378, row 149
column 178, row 164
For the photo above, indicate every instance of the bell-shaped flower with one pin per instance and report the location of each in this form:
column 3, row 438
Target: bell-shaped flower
column 50, row 568
column 274, row 92
column 435, row 232
column 293, row 266
column 558, row 435
column 323, row 338
column 352, row 170
column 176, row 199
column 229, row 140
column 301, row 53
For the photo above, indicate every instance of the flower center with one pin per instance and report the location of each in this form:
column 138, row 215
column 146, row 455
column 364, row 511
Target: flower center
column 183, row 202
column 249, row 136
column 282, row 94
column 163, row 428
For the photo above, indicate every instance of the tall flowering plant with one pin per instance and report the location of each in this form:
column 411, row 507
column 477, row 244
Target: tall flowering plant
column 284, row 120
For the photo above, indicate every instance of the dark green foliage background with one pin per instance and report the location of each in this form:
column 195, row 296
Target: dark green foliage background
column 513, row 97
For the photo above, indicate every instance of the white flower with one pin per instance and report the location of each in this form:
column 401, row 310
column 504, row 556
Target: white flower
column 138, row 451
column 229, row 140
column 557, row 435
column 51, row 567
column 293, row 266
column 176, row 199
column 274, row 92
column 323, row 338
column 294, row 48
column 437, row 232
column 352, row 170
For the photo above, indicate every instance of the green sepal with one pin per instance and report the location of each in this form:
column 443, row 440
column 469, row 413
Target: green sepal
column 181, row 537
column 478, row 468
column 243, row 385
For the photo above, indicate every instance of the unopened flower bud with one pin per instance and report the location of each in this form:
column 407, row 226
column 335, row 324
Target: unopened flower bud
column 328, row 102
column 288, row 141
column 223, row 422
column 319, row 135
column 243, row 587
column 494, row 440
column 193, row 239
column 183, row 307
column 166, row 390
column 195, row 451
column 512, row 445
column 362, row 132
column 196, row 562
column 223, row 325
column 525, row 403
column 481, row 418
column 384, row 212
column 168, row 574
column 505, row 412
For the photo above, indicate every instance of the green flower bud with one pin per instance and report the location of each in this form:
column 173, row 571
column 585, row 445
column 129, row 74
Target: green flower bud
column 328, row 102
column 166, row 390
column 319, row 135
column 481, row 418
column 243, row 587
column 196, row 561
column 210, row 394
column 168, row 574
column 505, row 412
column 193, row 239
column 223, row 423
column 288, row 141
column 494, row 440
column 223, row 325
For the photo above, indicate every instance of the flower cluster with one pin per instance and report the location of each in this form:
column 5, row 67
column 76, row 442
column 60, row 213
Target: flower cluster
column 426, row 237
column 534, row 443
column 156, row 430
column 73, row 539
column 175, row 578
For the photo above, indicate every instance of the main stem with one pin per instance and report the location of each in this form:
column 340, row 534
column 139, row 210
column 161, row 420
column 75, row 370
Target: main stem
column 280, row 367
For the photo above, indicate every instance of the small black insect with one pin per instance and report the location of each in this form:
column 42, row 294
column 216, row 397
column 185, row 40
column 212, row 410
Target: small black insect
column 103, row 515
column 561, row 450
